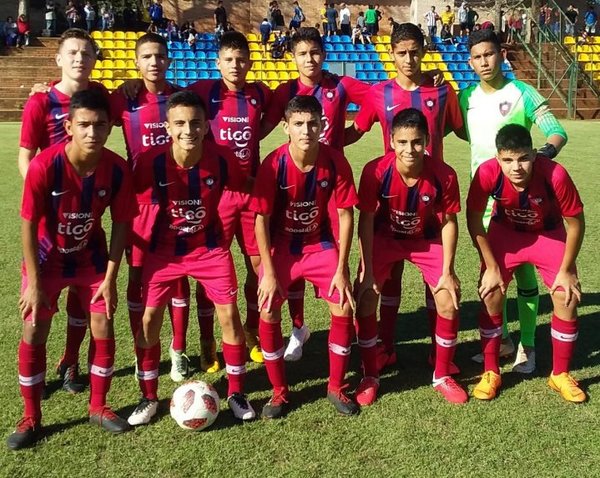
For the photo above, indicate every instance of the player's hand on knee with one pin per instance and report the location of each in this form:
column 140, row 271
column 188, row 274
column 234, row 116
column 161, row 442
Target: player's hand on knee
column 490, row 281
column 32, row 301
column 569, row 282
column 450, row 283
column 341, row 282
column 108, row 291
column 268, row 287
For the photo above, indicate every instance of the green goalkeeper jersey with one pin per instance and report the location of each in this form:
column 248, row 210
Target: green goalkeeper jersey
column 485, row 113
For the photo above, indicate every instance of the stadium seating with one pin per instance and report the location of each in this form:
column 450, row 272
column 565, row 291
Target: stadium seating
column 587, row 52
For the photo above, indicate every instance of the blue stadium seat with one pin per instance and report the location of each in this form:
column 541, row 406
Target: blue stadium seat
column 191, row 75
column 182, row 83
column 328, row 47
column 325, row 66
column 359, row 47
column 361, row 75
column 353, row 57
column 462, row 57
column 331, row 56
column 214, row 75
column 345, row 39
column 211, row 65
column 179, row 65
column 462, row 48
column 189, row 55
column 335, row 39
column 435, row 40
column 378, row 66
column 458, row 76
column 373, row 56
column 170, row 75
column 200, row 55
column 211, row 55
column 190, row 65
column 348, row 47
column 201, row 65
column 441, row 47
column 359, row 67
column 208, row 37
column 363, row 57
column 177, row 55
column 370, row 47
column 352, row 108
column 510, row 75
column 372, row 76
column 203, row 75
column 342, row 57
column 462, row 85
column 367, row 66
column 448, row 57
column 176, row 45
column 185, row 46
column 463, row 66
column 452, row 66
column 338, row 47
column 382, row 76
column 451, row 48
column 180, row 75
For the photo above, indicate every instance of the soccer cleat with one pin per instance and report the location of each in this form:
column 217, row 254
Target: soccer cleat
column 507, row 348
column 488, row 386
column 253, row 345
column 293, row 351
column 108, row 420
column 179, row 365
column 450, row 390
column 366, row 393
column 567, row 386
column 342, row 402
column 69, row 374
column 240, row 406
column 385, row 358
column 525, row 360
column 143, row 413
column 26, row 433
column 452, row 368
column 275, row 407
column 209, row 362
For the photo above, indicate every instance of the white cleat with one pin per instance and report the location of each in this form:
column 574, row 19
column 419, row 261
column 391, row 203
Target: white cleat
column 525, row 360
column 293, row 351
column 179, row 365
column 240, row 407
column 143, row 413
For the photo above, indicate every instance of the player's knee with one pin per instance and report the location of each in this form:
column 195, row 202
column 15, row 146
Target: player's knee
column 36, row 335
column 367, row 303
column 444, row 305
column 494, row 302
column 100, row 326
column 271, row 317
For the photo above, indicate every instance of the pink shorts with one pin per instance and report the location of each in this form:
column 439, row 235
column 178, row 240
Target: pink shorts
column 426, row 254
column 213, row 269
column 316, row 267
column 85, row 286
column 140, row 234
column 543, row 249
column 238, row 221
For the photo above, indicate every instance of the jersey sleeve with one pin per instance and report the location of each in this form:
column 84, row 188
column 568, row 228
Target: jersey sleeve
column 463, row 102
column 123, row 206
column 279, row 100
column 451, row 193
column 117, row 107
column 480, row 189
column 356, row 89
column 263, row 196
column 34, row 192
column 538, row 112
column 368, row 191
column 345, row 191
column 454, row 119
column 567, row 195
column 367, row 115
column 33, row 127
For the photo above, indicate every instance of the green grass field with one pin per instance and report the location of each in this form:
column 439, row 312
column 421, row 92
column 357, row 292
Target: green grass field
column 410, row 431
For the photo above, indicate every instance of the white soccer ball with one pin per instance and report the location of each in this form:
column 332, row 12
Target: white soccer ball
column 195, row 405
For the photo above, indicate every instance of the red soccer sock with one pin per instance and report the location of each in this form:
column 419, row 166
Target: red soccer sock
column 32, row 375
column 179, row 309
column 431, row 316
column 490, row 331
column 564, row 337
column 388, row 311
column 341, row 334
column 446, row 333
column 366, row 330
column 76, row 328
column 235, row 365
column 135, row 306
column 271, row 342
column 206, row 314
column 252, row 315
column 296, row 302
column 102, row 359
column 148, row 361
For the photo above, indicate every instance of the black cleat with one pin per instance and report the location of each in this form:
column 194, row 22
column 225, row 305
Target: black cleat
column 108, row 420
column 342, row 403
column 275, row 407
column 26, row 434
column 69, row 374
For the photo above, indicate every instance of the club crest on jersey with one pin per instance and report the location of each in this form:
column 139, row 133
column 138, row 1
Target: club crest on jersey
column 425, row 198
column 209, row 181
column 536, row 201
column 430, row 103
column 102, row 193
column 253, row 101
column 329, row 95
column 504, row 107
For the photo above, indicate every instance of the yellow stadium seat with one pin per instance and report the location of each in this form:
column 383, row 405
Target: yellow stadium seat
column 294, row 75
column 436, row 57
column 130, row 54
column 583, row 48
column 442, row 67
column 596, row 67
column 583, row 57
column 130, row 36
column 255, row 56
column 130, row 45
column 454, row 85
column 132, row 74
column 596, row 48
column 120, row 64
column 107, row 65
column 427, row 57
column 595, row 57
column 140, row 34
column 283, row 76
column 250, row 76
column 268, row 65
column 271, row 38
column 108, row 44
column 388, row 66
column 588, row 67
column 252, row 37
column 254, row 46
column 569, row 41
column 273, row 84
column 384, row 39
column 447, row 76
column 120, row 54
column 99, row 44
column 107, row 35
column 119, row 35
column 107, row 74
column 272, row 75
column 96, row 74
column 119, row 44
column 288, row 56
column 118, row 73
column 117, row 83
column 291, row 66
column 108, row 84
column 380, row 48
column 130, row 65
column 108, row 53
column 280, row 66
column 385, row 57
column 596, row 40
column 392, row 75
column 427, row 66
column 96, row 35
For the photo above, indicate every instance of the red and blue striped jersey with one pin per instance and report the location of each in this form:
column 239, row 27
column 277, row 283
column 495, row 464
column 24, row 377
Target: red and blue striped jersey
column 68, row 209
column 296, row 201
column 186, row 199
column 235, row 118
column 44, row 116
column 541, row 206
column 143, row 119
column 403, row 212
column 333, row 92
column 439, row 104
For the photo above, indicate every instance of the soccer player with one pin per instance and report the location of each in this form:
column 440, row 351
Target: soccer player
column 334, row 93
column 184, row 182
column 439, row 104
column 143, row 118
column 533, row 198
column 67, row 189
column 486, row 107
column 43, row 125
column 235, row 109
column 293, row 229
column 408, row 206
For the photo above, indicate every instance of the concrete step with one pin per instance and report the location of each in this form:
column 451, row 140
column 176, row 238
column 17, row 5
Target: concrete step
column 12, row 103
column 10, row 115
column 32, row 61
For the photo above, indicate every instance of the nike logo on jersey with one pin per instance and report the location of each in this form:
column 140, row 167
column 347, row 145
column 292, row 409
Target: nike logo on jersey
column 59, row 193
column 391, row 108
column 287, row 187
column 59, row 117
column 164, row 185
column 216, row 101
column 137, row 108
column 384, row 196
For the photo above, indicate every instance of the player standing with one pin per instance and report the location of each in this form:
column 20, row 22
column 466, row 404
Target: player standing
column 183, row 182
column 67, row 189
column 334, row 93
column 293, row 187
column 532, row 197
column 486, row 107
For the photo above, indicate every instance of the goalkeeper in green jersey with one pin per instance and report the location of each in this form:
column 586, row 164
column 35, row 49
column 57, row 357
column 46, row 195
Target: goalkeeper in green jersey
column 486, row 107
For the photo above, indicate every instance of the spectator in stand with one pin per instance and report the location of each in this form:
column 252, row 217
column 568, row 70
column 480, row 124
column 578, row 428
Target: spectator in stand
column 278, row 17
column 23, row 31
column 360, row 33
column 50, row 17
column 345, row 20
column 393, row 25
column 90, row 16
column 448, row 17
column 172, row 31
column 278, row 47
column 548, row 19
column 522, row 26
column 590, row 19
column 371, row 19
column 220, row 15
column 542, row 18
column 463, row 19
column 156, row 13
column 378, row 17
column 72, row 14
column 10, row 31
column 297, row 18
column 332, row 16
column 360, row 21
column 107, row 17
column 323, row 13
column 446, row 35
column 431, row 19
column 572, row 13
column 265, row 32
column 472, row 17
column 556, row 22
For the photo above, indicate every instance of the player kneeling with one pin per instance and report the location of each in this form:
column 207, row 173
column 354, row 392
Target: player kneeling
column 293, row 230
column 183, row 183
column 533, row 196
column 408, row 206
column 67, row 189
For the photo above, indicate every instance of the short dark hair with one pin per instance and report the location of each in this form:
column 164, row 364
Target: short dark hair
column 484, row 36
column 186, row 98
column 306, row 34
column 78, row 34
column 303, row 104
column 92, row 99
column 410, row 118
column 408, row 31
column 513, row 137
column 151, row 38
column 234, row 41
